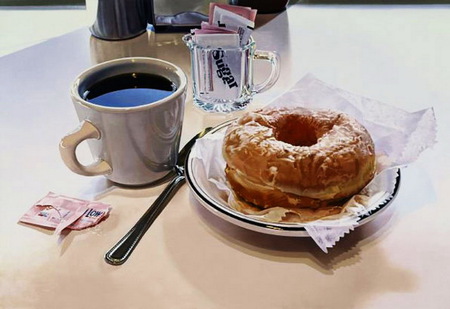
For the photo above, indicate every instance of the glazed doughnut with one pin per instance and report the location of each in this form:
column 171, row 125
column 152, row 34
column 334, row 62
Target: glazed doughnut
column 297, row 157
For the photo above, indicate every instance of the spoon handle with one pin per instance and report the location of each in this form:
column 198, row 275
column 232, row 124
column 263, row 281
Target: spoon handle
column 118, row 254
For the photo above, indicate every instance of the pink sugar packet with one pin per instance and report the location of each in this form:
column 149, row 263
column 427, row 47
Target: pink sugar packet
column 59, row 212
column 211, row 29
column 244, row 11
column 96, row 212
column 240, row 20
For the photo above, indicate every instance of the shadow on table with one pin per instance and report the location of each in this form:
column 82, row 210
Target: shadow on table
column 233, row 266
column 292, row 249
column 165, row 46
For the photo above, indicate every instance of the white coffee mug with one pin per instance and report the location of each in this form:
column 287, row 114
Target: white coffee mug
column 134, row 145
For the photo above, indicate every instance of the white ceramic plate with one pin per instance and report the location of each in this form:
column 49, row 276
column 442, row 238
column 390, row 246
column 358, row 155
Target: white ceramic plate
column 204, row 195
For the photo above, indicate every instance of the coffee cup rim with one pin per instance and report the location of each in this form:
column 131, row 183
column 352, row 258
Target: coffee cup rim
column 181, row 88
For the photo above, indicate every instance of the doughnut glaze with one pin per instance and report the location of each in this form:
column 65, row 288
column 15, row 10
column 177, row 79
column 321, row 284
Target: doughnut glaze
column 297, row 157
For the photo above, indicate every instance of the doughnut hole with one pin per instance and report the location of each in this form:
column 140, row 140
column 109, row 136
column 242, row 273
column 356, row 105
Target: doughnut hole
column 297, row 131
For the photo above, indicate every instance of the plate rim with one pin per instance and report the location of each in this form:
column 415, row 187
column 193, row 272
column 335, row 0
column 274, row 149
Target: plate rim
column 243, row 220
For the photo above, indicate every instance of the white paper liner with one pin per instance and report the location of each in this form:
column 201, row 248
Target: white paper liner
column 399, row 138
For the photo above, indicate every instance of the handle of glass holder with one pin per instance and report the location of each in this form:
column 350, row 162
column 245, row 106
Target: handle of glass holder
column 274, row 60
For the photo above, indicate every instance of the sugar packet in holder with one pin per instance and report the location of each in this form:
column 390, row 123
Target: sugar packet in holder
column 413, row 133
column 227, row 17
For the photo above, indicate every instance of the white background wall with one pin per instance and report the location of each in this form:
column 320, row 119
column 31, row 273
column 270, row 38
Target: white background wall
column 20, row 28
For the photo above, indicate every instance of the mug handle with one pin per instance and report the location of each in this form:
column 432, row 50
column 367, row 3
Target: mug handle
column 274, row 60
column 67, row 149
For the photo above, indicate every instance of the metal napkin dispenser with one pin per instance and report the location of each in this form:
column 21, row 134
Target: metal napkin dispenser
column 178, row 15
column 125, row 19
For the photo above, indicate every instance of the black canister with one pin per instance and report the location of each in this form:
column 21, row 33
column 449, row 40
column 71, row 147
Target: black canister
column 120, row 19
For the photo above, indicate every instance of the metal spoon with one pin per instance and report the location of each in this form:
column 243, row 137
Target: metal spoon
column 118, row 254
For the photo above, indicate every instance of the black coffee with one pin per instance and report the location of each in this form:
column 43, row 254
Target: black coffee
column 131, row 89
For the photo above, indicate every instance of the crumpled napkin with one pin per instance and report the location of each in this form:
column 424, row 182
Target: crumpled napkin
column 399, row 138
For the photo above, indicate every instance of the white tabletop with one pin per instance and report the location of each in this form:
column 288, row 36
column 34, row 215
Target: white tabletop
column 191, row 259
